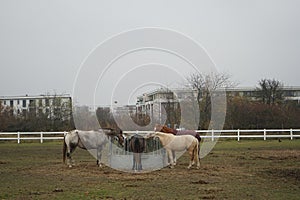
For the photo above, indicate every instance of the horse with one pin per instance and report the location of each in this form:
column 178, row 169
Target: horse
column 165, row 129
column 88, row 140
column 174, row 143
column 137, row 145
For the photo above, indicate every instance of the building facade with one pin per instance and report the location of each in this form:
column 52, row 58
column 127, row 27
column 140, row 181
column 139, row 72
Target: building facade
column 156, row 99
column 288, row 93
column 151, row 103
column 45, row 104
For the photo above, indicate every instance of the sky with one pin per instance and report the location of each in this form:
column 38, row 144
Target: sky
column 46, row 45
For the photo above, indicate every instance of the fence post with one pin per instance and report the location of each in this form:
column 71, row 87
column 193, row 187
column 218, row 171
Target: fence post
column 212, row 135
column 41, row 136
column 18, row 137
column 238, row 133
column 291, row 132
column 265, row 134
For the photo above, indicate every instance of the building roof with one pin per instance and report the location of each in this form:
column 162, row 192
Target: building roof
column 34, row 97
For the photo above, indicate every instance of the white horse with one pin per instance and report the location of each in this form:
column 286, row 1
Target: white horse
column 179, row 143
column 88, row 140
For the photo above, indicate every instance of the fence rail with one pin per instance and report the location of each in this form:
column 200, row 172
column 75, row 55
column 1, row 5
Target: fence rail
column 259, row 133
column 18, row 136
column 212, row 134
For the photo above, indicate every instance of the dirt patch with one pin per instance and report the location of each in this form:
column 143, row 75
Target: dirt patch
column 289, row 174
column 199, row 182
column 3, row 162
column 277, row 155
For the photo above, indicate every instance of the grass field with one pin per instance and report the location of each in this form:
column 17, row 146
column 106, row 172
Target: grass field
column 250, row 169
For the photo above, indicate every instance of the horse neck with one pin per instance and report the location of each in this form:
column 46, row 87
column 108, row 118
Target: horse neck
column 79, row 143
column 165, row 138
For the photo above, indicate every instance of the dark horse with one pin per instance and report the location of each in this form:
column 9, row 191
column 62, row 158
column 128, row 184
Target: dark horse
column 165, row 129
column 137, row 145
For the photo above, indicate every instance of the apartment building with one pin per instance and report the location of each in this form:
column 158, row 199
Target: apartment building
column 47, row 104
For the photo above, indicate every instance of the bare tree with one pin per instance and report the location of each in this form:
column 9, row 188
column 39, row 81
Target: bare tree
column 270, row 91
column 206, row 84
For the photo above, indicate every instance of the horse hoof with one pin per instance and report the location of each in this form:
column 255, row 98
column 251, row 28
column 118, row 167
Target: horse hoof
column 70, row 166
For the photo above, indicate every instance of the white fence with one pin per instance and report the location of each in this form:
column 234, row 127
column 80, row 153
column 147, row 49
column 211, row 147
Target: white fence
column 255, row 133
column 18, row 136
column 212, row 134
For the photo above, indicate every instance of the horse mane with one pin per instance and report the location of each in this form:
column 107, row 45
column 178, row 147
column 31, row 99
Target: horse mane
column 165, row 129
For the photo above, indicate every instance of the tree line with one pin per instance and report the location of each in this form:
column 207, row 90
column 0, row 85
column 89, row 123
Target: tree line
column 266, row 108
column 54, row 117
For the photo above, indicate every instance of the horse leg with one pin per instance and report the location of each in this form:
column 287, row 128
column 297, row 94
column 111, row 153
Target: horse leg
column 170, row 156
column 191, row 153
column 140, row 167
column 69, row 159
column 133, row 161
column 174, row 157
column 70, row 150
column 99, row 155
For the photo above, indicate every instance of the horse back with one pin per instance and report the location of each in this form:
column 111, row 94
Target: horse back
column 190, row 132
column 137, row 144
column 187, row 132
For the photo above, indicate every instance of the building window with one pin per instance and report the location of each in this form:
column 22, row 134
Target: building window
column 32, row 102
column 24, row 103
column 47, row 102
column 11, row 103
column 40, row 103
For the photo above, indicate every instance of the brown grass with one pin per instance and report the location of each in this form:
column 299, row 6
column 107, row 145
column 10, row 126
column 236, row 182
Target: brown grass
column 233, row 170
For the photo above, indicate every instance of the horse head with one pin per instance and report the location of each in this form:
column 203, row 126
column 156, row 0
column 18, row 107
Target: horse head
column 164, row 129
column 120, row 138
column 116, row 135
column 151, row 135
column 158, row 127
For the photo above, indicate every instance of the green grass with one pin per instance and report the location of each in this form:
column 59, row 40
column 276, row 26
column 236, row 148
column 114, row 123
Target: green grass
column 250, row 169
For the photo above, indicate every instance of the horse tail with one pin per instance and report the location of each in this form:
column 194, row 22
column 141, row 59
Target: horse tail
column 137, row 145
column 196, row 151
column 64, row 150
column 198, row 137
column 199, row 140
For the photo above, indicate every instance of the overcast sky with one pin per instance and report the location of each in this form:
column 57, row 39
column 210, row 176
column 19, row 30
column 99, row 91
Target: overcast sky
column 44, row 43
